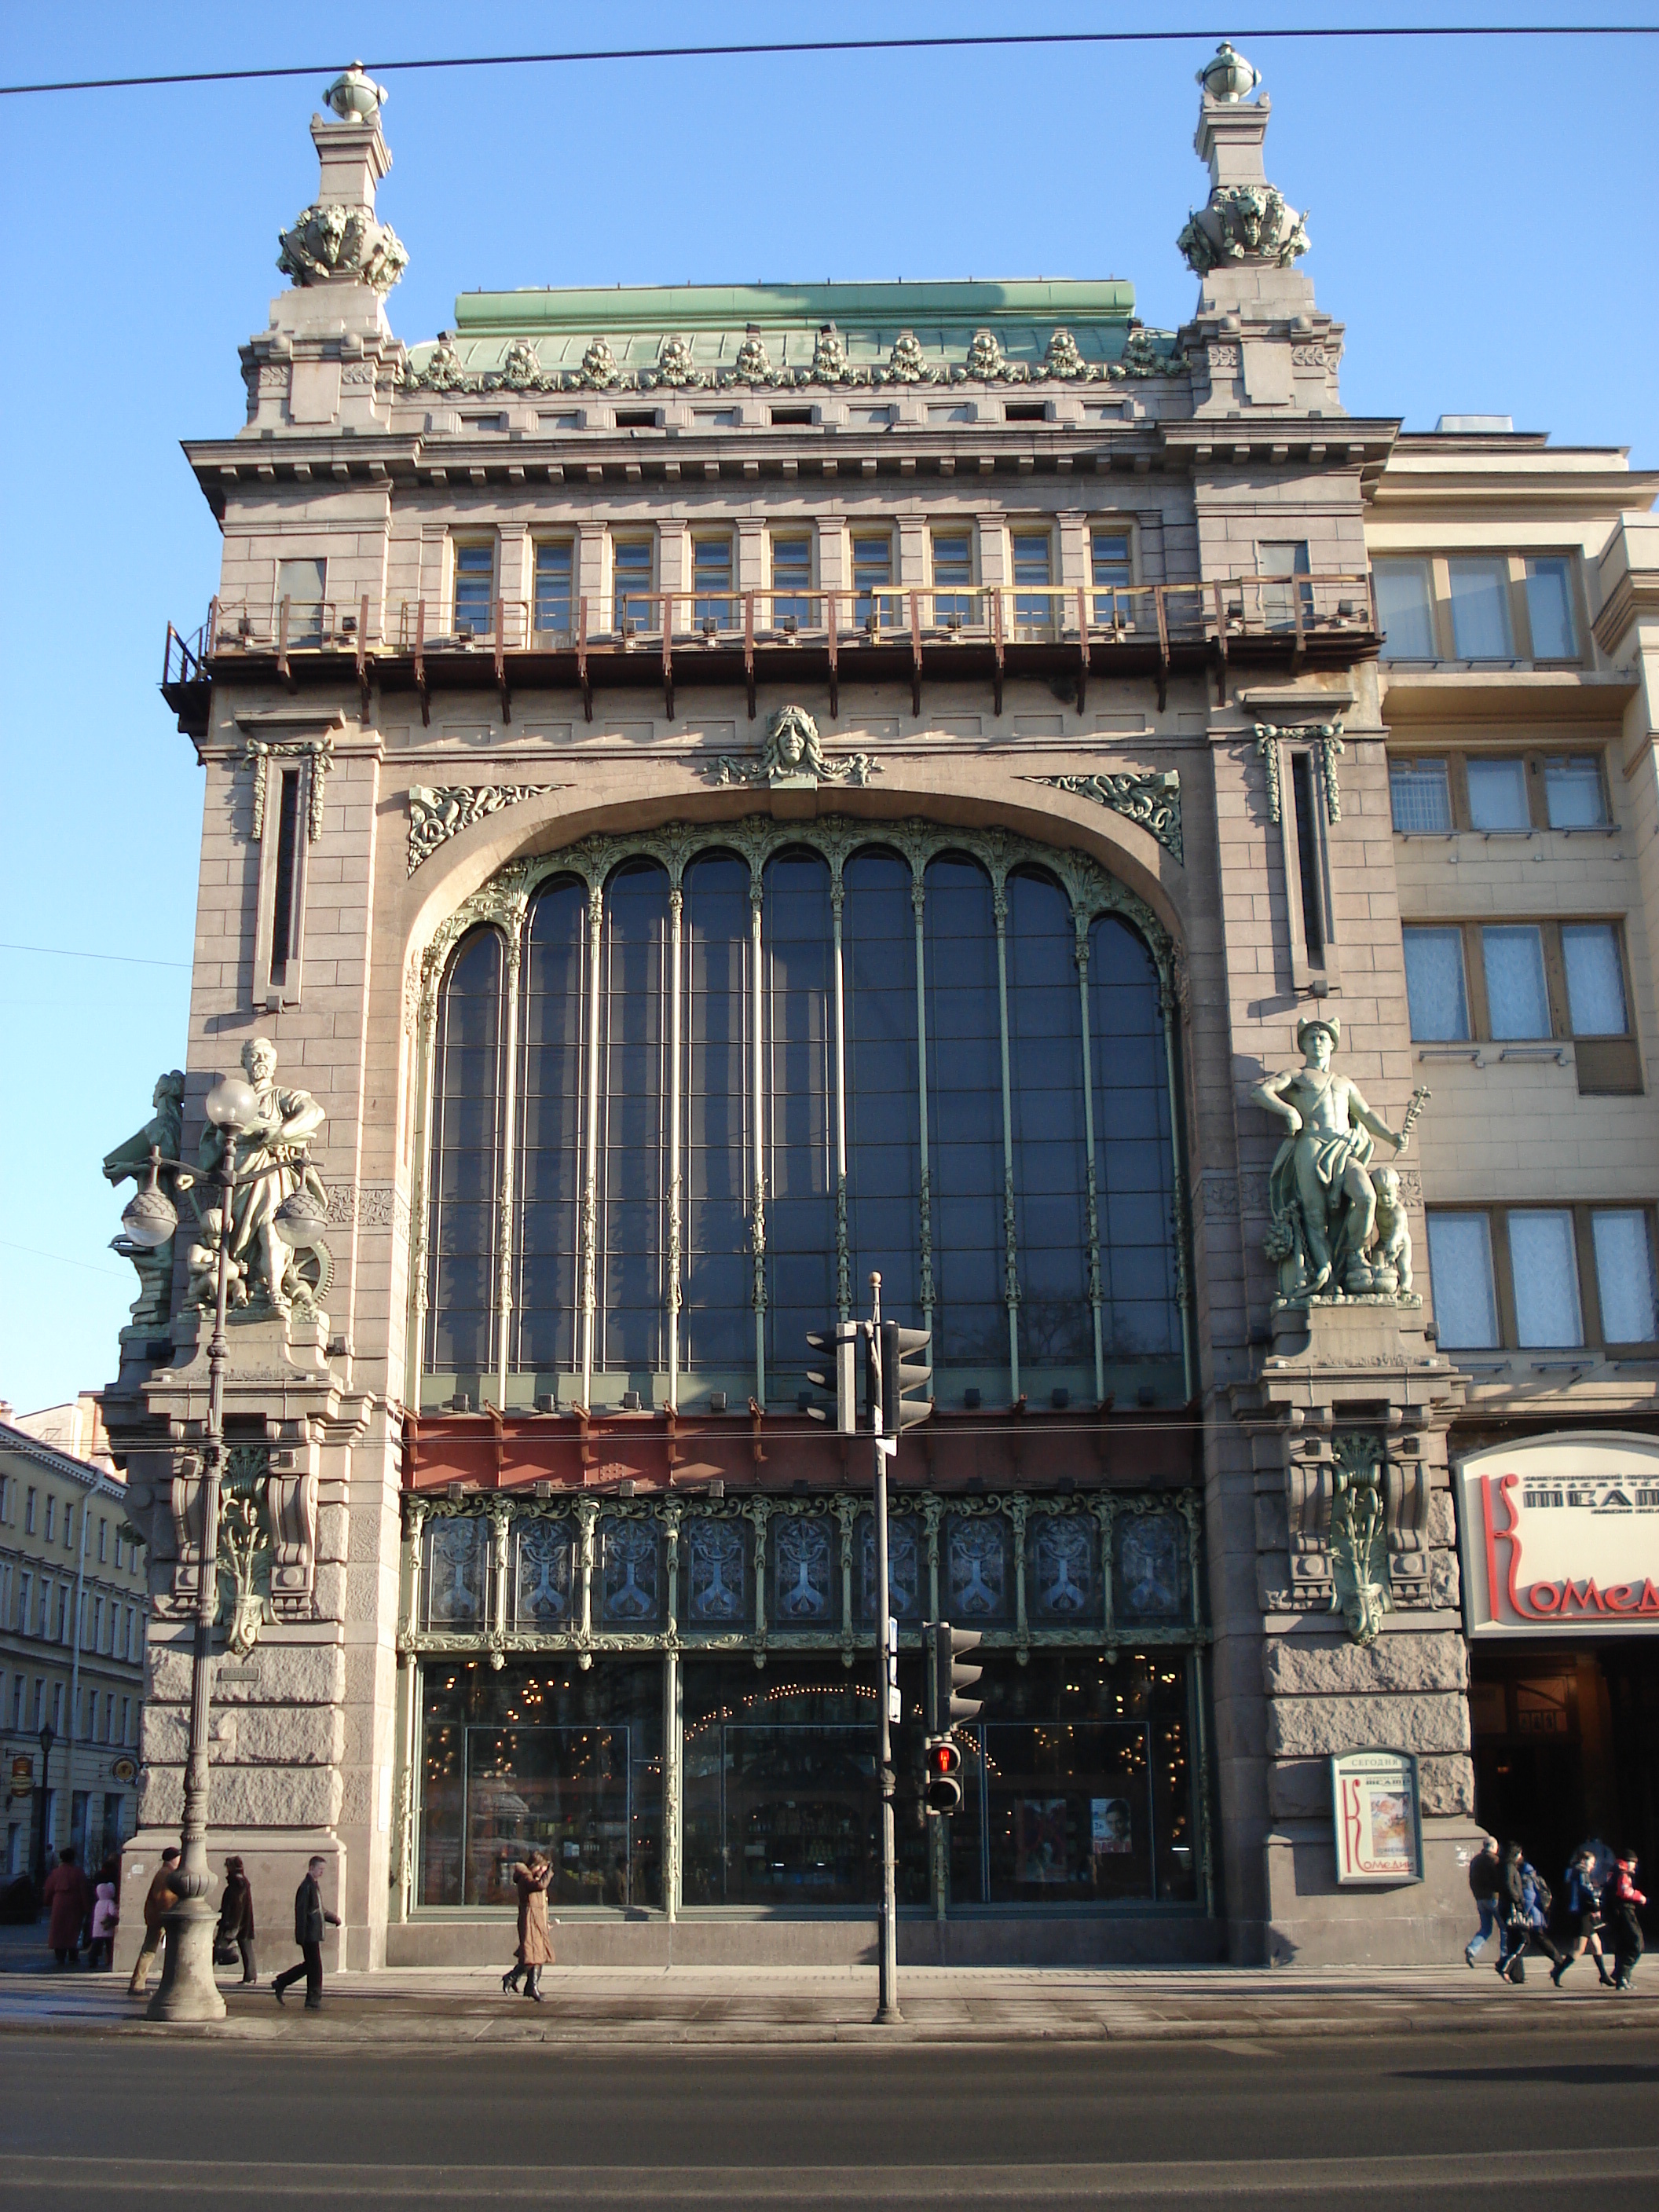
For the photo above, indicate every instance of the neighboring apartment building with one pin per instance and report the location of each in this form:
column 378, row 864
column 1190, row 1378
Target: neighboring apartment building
column 73, row 1615
column 1518, row 585
column 713, row 793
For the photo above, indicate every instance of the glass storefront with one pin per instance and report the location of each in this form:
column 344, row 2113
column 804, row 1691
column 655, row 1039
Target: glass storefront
column 1080, row 1783
column 546, row 1753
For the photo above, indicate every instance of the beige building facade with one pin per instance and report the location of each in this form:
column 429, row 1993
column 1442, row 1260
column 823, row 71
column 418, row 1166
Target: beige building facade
column 713, row 793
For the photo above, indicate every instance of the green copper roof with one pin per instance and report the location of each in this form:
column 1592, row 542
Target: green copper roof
column 704, row 335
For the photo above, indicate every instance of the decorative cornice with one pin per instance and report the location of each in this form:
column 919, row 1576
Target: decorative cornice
column 1149, row 797
column 439, row 812
column 1144, row 355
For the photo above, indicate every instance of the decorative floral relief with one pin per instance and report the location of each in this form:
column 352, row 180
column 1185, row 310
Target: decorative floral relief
column 1065, row 1566
column 715, row 1559
column 905, row 1567
column 1151, row 798
column 326, row 242
column 439, row 812
column 1149, row 1567
column 802, row 1558
column 1243, row 222
column 977, row 1566
column 541, row 1589
column 630, row 1571
column 753, row 364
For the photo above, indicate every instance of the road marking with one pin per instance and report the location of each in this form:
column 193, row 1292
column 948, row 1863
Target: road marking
column 1420, row 2177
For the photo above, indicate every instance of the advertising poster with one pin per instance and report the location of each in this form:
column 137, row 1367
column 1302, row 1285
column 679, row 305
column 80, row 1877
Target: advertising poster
column 1040, row 1840
column 1379, row 1831
column 1559, row 1536
column 1109, row 1827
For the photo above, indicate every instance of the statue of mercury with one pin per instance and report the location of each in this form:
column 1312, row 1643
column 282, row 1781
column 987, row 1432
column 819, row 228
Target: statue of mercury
column 1321, row 1178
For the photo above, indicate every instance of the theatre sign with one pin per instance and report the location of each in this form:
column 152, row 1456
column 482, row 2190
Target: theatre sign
column 1560, row 1536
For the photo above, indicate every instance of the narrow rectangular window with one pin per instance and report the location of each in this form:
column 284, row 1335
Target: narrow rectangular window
column 1573, row 794
column 25, row 1593
column 1595, row 979
column 1111, row 571
column 1307, row 855
column 630, row 559
column 28, row 1514
column 1498, row 795
column 1405, row 608
column 555, row 566
column 792, row 578
column 1549, row 609
column 17, row 1702
column 97, row 1643
column 103, row 1542
column 1421, row 797
column 1033, row 562
column 285, row 900
column 63, row 1614
column 57, row 1712
column 1518, row 998
column 1543, row 1259
column 1623, row 1275
column 52, row 1518
column 1480, row 608
column 711, row 577
column 69, row 1528
column 953, row 566
column 301, row 583
column 1279, row 562
column 39, row 1701
column 872, row 573
column 475, row 590
column 126, row 1720
column 1435, row 989
column 1460, row 1269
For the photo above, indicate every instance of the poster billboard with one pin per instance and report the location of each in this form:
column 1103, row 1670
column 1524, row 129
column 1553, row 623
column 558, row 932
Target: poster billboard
column 1559, row 1536
column 1379, row 1826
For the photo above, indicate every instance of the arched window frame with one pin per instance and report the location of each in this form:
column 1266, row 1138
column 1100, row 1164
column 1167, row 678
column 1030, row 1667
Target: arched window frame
column 505, row 902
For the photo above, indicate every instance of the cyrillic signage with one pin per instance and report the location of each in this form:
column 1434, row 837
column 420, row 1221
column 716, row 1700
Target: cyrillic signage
column 1379, row 1826
column 1559, row 1536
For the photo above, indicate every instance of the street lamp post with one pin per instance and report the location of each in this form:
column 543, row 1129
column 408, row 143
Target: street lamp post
column 41, row 1853
column 188, row 1989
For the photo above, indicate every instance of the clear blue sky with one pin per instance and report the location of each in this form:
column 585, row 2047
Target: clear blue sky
column 1482, row 215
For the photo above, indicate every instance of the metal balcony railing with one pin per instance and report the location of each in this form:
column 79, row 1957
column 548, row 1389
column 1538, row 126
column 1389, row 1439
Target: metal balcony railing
column 877, row 631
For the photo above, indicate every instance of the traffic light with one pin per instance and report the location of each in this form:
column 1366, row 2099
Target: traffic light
column 905, row 1367
column 944, row 1792
column 838, row 1376
column 949, row 1678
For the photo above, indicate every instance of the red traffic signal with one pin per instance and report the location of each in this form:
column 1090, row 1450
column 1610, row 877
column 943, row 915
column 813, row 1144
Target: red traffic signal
column 944, row 1764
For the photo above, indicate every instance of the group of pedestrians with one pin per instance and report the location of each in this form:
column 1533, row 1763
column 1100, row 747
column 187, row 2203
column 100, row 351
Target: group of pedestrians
column 234, row 1935
column 1599, row 1918
column 81, row 1914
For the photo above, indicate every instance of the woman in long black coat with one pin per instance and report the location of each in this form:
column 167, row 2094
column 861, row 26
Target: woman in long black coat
column 236, row 1916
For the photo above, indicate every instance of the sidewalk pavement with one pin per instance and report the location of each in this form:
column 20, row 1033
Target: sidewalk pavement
column 738, row 2005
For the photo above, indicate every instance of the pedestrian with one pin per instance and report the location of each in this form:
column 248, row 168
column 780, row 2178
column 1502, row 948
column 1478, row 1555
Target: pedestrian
column 535, row 1951
column 104, row 1918
column 1526, row 1901
column 1619, row 1902
column 159, row 1900
column 67, row 1892
column 236, row 1929
column 1583, row 1897
column 1484, row 1869
column 310, row 1917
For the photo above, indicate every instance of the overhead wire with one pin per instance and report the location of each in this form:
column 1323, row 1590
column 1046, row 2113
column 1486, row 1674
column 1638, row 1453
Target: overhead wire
column 751, row 49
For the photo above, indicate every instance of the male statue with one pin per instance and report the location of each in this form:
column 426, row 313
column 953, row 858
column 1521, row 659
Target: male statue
column 270, row 1159
column 1322, row 1174
column 162, row 1133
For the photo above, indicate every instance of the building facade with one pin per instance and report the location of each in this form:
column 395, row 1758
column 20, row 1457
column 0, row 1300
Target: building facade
column 74, row 1608
column 714, row 795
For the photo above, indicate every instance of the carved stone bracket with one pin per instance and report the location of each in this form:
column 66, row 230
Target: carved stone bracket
column 439, row 812
column 261, row 751
column 1151, row 797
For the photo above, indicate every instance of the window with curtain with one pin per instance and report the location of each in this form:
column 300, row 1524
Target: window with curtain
column 1625, row 1281
column 1545, row 1265
column 1480, row 608
column 1460, row 1268
column 1573, row 794
column 554, row 570
column 1595, row 978
column 1434, row 984
column 1405, row 610
column 1549, row 609
column 1518, row 997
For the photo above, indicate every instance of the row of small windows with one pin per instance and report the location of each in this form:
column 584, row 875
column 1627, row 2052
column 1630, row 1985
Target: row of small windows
column 921, row 1102
column 1478, row 607
column 98, row 1715
column 952, row 567
column 31, row 1519
column 1498, row 793
column 1543, row 1277
column 43, row 1610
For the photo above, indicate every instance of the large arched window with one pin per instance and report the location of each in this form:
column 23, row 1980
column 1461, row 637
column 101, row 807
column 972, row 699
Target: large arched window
column 775, row 1069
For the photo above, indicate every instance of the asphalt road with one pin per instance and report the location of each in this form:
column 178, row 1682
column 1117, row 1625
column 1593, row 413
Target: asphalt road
column 1429, row 2122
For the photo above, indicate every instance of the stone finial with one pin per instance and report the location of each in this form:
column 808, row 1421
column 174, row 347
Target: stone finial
column 1227, row 75
column 355, row 98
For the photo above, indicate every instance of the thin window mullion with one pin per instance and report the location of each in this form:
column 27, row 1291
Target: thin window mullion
column 511, row 991
column 1092, row 1183
column 756, row 1121
column 671, row 1288
column 590, row 1221
column 918, row 908
column 843, row 1263
column 1011, row 1247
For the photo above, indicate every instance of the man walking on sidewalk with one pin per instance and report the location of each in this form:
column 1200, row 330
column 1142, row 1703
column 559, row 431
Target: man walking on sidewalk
column 159, row 1901
column 309, row 1919
column 1484, row 1873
